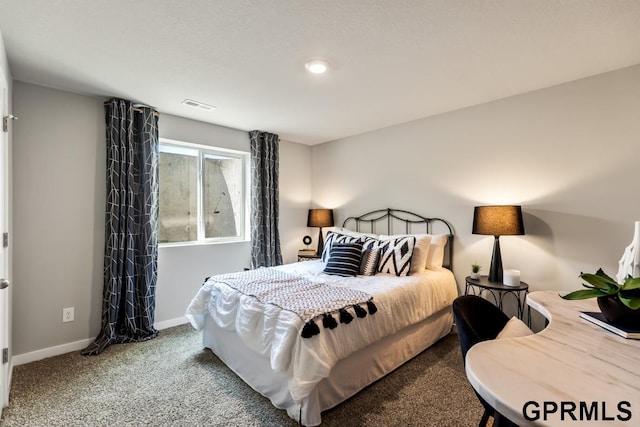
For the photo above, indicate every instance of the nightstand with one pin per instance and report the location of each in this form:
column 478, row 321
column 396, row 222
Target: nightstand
column 499, row 291
column 306, row 256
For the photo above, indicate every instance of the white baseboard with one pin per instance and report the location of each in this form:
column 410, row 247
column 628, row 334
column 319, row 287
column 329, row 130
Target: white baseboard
column 170, row 323
column 21, row 359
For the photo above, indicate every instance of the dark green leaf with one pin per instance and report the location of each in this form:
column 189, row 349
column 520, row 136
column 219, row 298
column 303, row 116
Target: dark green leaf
column 631, row 283
column 600, row 282
column 631, row 302
column 584, row 294
column 604, row 275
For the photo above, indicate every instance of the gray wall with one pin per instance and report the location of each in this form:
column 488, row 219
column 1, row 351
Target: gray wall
column 58, row 238
column 569, row 154
column 59, row 186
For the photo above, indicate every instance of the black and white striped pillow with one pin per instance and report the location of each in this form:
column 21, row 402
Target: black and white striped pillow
column 369, row 263
column 344, row 259
column 333, row 237
column 395, row 255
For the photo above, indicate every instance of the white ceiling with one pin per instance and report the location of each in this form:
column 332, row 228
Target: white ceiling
column 391, row 61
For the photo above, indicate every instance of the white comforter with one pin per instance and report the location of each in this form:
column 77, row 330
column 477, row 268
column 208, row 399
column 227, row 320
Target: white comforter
column 275, row 333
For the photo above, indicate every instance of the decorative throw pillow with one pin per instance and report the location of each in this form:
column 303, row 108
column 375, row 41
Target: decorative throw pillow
column 515, row 328
column 369, row 263
column 395, row 256
column 369, row 243
column 333, row 237
column 328, row 242
column 344, row 259
column 351, row 233
column 420, row 251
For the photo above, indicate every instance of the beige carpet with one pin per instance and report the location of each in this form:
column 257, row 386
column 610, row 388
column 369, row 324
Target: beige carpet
column 173, row 381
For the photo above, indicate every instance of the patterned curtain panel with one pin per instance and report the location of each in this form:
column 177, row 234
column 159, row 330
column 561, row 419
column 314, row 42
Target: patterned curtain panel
column 265, row 238
column 131, row 232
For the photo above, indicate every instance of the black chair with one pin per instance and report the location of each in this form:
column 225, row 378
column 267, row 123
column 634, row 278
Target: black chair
column 479, row 320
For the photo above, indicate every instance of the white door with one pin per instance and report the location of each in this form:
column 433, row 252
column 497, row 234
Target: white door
column 4, row 291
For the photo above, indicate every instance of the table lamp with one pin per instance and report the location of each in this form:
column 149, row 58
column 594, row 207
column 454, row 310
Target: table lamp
column 497, row 221
column 320, row 218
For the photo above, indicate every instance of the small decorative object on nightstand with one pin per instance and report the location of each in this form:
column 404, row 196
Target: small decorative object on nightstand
column 511, row 277
column 498, row 291
column 475, row 271
column 307, row 255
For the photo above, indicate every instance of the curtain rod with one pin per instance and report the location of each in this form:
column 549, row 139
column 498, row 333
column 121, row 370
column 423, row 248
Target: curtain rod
column 137, row 110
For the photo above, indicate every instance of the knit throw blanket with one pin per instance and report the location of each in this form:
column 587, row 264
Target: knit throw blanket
column 311, row 301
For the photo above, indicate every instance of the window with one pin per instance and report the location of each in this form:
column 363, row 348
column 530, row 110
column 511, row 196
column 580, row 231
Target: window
column 203, row 193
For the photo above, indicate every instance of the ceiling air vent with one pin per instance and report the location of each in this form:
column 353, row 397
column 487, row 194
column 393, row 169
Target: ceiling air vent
column 198, row 105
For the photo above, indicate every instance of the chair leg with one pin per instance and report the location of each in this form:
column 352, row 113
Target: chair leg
column 485, row 418
column 500, row 421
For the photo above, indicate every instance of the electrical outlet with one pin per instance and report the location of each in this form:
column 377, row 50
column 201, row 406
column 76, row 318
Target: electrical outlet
column 67, row 314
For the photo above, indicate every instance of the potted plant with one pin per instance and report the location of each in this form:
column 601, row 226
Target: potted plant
column 475, row 271
column 619, row 303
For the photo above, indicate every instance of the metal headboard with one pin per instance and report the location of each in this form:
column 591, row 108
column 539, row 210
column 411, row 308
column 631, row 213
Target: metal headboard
column 411, row 223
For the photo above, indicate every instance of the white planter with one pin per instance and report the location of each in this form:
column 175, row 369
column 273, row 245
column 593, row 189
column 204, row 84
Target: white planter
column 475, row 276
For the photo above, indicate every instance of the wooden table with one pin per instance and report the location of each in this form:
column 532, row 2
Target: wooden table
column 571, row 369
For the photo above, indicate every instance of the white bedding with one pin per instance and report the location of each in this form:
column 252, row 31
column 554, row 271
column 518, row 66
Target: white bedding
column 275, row 333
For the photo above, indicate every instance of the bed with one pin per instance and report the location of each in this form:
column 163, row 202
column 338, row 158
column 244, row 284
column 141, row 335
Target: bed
column 308, row 340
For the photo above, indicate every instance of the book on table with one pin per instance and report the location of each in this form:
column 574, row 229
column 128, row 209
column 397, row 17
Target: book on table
column 597, row 318
column 307, row 252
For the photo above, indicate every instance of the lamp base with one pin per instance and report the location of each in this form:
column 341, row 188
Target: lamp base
column 320, row 243
column 495, row 271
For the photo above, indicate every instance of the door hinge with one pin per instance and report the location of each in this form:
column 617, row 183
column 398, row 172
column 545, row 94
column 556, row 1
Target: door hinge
column 5, row 240
column 5, row 122
column 5, row 355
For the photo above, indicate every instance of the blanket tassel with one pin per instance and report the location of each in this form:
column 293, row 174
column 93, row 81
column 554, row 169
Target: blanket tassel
column 360, row 312
column 328, row 321
column 372, row 307
column 310, row 329
column 345, row 317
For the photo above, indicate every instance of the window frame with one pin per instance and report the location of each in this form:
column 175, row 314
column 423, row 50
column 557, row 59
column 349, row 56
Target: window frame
column 202, row 150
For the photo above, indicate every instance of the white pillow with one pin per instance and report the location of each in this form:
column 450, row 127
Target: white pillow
column 436, row 251
column 420, row 250
column 515, row 328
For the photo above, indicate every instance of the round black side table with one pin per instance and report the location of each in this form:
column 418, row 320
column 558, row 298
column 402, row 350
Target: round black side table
column 499, row 291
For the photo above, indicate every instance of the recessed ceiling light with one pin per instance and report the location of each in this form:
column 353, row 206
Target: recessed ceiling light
column 317, row 66
column 198, row 105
